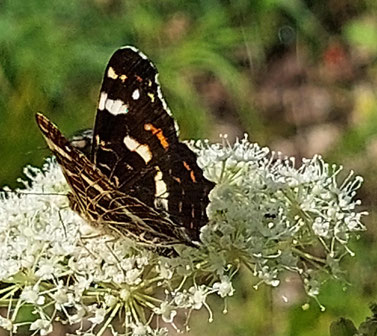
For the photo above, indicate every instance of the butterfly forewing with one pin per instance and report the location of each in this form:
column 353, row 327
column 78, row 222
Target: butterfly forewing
column 132, row 129
column 137, row 147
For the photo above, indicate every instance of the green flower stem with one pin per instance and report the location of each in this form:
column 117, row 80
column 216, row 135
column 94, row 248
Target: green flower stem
column 110, row 319
column 317, row 262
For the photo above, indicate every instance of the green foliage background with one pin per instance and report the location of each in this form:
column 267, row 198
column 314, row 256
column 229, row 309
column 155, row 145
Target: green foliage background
column 291, row 73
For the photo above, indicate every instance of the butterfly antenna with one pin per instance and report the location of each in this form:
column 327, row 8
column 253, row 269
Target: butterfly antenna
column 34, row 193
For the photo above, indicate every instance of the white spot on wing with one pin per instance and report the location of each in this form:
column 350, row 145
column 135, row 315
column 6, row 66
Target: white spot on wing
column 130, row 143
column 116, row 107
column 161, row 190
column 136, row 94
column 109, row 105
column 102, row 101
column 111, row 73
column 142, row 150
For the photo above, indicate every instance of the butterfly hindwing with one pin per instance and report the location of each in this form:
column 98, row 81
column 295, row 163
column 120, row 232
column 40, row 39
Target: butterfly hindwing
column 95, row 198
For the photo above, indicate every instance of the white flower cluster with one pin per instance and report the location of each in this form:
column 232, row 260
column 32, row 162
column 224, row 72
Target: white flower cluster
column 265, row 214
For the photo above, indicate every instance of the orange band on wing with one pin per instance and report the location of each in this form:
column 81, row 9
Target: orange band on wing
column 159, row 134
column 192, row 175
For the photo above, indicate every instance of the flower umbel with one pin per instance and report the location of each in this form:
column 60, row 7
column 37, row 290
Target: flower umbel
column 264, row 214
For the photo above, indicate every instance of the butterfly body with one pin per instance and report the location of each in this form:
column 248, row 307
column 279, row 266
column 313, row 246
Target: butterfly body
column 139, row 181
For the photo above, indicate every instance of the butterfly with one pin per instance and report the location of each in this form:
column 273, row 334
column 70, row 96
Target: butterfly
column 138, row 181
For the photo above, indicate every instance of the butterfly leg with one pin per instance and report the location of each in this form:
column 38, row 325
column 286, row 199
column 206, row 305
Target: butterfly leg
column 84, row 238
column 107, row 243
column 62, row 223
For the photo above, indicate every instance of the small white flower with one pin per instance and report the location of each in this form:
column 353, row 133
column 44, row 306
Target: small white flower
column 119, row 278
column 81, row 284
column 224, row 288
column 44, row 326
column 269, row 276
column 159, row 332
column 63, row 298
column 99, row 315
column 110, row 300
column 31, row 295
column 139, row 329
column 143, row 260
column 165, row 271
column 78, row 315
column 321, row 228
column 198, row 296
column 127, row 264
column 182, row 299
column 312, row 287
column 166, row 311
column 6, row 323
column 133, row 277
column 46, row 268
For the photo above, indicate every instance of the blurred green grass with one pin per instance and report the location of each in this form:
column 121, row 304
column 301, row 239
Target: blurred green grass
column 290, row 73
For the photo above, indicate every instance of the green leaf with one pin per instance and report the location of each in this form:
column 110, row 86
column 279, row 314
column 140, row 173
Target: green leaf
column 369, row 327
column 362, row 33
column 343, row 327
